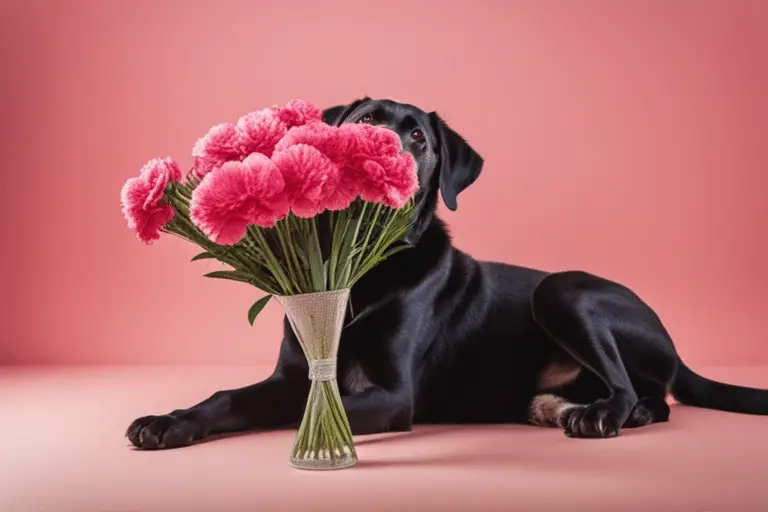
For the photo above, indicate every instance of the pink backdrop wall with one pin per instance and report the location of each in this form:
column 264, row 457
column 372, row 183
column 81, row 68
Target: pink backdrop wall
column 623, row 138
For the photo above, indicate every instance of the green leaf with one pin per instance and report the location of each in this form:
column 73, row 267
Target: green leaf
column 232, row 275
column 316, row 264
column 203, row 256
column 257, row 307
column 393, row 250
column 264, row 281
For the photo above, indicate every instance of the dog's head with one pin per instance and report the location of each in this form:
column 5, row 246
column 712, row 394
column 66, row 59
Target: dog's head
column 445, row 161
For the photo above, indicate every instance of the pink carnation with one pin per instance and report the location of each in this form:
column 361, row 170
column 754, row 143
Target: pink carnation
column 261, row 130
column 373, row 140
column 388, row 180
column 236, row 195
column 257, row 132
column 310, row 179
column 370, row 158
column 337, row 146
column 298, row 113
column 224, row 142
column 377, row 166
column 142, row 198
column 330, row 140
column 313, row 167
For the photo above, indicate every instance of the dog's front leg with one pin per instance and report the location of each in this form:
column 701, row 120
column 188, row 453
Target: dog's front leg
column 379, row 410
column 275, row 402
column 376, row 377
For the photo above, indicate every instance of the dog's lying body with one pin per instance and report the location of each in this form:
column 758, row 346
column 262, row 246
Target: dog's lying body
column 438, row 337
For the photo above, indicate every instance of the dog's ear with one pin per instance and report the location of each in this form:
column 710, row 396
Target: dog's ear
column 334, row 116
column 459, row 164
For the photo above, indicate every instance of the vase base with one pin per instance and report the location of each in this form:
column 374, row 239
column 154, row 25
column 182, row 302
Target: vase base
column 323, row 464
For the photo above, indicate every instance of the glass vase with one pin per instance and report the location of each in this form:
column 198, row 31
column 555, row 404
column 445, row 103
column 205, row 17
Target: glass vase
column 324, row 439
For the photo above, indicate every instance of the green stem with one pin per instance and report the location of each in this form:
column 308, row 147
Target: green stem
column 349, row 264
column 386, row 238
column 325, row 427
column 238, row 257
column 290, row 254
column 333, row 224
column 337, row 409
column 317, row 270
column 315, row 432
column 273, row 264
column 371, row 225
column 340, row 424
column 301, row 438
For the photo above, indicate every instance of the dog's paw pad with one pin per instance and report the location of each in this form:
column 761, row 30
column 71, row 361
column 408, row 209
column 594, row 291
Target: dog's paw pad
column 159, row 432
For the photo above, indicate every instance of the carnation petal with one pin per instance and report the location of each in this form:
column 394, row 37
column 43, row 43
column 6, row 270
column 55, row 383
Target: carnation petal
column 382, row 172
column 261, row 130
column 142, row 198
column 310, row 178
column 223, row 142
column 329, row 140
column 298, row 113
column 238, row 194
column 153, row 221
column 373, row 140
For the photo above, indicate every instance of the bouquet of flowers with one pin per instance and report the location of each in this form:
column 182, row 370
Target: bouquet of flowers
column 299, row 209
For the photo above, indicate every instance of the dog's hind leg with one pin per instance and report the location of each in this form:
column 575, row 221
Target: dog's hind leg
column 573, row 309
column 618, row 338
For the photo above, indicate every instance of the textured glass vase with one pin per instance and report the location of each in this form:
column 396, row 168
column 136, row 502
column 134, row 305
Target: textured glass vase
column 324, row 440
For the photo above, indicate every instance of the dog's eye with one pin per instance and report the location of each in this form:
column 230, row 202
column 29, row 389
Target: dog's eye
column 367, row 118
column 417, row 134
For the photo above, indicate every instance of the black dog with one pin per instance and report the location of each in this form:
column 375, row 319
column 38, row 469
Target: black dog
column 439, row 337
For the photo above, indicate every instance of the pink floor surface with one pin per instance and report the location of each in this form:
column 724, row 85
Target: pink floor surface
column 62, row 449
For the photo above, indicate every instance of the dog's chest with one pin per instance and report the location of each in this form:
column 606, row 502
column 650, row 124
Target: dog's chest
column 354, row 379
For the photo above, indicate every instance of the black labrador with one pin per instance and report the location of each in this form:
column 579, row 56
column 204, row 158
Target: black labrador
column 438, row 337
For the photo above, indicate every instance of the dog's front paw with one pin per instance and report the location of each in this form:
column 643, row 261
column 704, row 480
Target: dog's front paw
column 166, row 431
column 594, row 421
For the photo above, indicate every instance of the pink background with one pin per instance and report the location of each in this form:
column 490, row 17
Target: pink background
column 623, row 138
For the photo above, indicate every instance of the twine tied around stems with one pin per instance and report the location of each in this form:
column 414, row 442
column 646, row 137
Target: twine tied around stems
column 322, row 369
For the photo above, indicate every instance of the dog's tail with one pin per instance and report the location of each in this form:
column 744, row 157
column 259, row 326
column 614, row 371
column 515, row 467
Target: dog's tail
column 690, row 388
